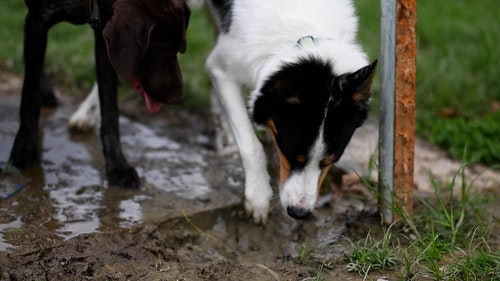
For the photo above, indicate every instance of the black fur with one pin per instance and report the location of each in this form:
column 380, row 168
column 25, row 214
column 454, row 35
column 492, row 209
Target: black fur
column 296, row 97
column 42, row 15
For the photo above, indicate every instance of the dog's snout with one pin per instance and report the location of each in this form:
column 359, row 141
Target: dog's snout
column 298, row 213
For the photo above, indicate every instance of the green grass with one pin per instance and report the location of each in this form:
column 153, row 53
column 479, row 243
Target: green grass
column 70, row 53
column 373, row 255
column 446, row 239
column 69, row 58
column 458, row 96
column 457, row 72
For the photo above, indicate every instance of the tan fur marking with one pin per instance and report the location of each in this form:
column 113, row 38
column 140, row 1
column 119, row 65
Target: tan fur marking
column 322, row 176
column 301, row 158
column 294, row 100
column 329, row 160
column 284, row 165
column 270, row 125
column 363, row 93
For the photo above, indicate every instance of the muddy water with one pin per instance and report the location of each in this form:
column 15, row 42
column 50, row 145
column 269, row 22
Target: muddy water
column 69, row 195
column 185, row 186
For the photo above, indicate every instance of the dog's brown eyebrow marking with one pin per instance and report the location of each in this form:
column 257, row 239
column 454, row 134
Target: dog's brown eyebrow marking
column 327, row 161
column 301, row 158
column 294, row 100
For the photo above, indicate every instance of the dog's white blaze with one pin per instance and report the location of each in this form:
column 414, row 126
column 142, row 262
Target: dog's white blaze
column 301, row 188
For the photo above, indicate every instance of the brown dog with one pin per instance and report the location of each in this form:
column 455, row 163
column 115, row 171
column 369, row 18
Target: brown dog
column 136, row 39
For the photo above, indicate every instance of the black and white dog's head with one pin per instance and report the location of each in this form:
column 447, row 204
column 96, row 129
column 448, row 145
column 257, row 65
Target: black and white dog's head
column 312, row 113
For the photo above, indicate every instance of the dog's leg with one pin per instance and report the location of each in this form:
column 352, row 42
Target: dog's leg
column 117, row 168
column 25, row 151
column 223, row 139
column 88, row 113
column 258, row 190
column 46, row 92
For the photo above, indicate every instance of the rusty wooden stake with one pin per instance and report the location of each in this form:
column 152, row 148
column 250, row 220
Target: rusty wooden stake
column 397, row 106
column 404, row 131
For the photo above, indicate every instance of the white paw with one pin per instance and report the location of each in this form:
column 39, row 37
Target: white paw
column 88, row 113
column 258, row 196
column 83, row 121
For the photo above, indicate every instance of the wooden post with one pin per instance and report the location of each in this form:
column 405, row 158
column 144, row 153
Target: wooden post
column 397, row 105
column 404, row 131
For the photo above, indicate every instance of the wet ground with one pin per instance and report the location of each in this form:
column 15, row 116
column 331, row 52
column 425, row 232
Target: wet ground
column 62, row 220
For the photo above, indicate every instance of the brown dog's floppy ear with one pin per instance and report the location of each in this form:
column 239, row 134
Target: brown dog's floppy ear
column 127, row 35
column 175, row 13
column 187, row 15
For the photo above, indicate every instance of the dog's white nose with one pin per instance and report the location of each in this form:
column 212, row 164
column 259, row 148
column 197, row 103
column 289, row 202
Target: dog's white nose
column 298, row 213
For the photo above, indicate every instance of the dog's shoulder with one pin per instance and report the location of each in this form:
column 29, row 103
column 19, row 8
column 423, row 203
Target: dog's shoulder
column 223, row 13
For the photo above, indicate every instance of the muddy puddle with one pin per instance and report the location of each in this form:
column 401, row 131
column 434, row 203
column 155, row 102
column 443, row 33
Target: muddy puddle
column 69, row 195
column 63, row 219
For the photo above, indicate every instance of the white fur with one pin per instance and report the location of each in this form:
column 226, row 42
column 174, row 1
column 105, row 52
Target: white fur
column 301, row 189
column 262, row 38
column 88, row 113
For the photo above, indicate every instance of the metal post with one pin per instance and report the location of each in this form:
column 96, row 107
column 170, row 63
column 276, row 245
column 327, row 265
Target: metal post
column 387, row 101
column 397, row 105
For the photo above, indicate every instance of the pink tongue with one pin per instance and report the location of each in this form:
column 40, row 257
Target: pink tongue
column 153, row 106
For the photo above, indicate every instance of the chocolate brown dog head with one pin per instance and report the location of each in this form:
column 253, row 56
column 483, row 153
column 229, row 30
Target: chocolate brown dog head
column 142, row 39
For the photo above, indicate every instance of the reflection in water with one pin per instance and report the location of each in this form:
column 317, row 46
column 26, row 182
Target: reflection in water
column 69, row 194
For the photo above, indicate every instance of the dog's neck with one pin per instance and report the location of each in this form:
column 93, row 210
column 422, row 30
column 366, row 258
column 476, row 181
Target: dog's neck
column 306, row 40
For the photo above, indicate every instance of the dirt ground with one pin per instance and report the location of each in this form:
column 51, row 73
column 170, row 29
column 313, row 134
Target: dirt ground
column 62, row 221
column 67, row 224
column 174, row 250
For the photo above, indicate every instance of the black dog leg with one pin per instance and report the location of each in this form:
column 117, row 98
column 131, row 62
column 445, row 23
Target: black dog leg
column 118, row 170
column 47, row 95
column 25, row 151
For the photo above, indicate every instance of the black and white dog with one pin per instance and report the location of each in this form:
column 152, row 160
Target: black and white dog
column 310, row 87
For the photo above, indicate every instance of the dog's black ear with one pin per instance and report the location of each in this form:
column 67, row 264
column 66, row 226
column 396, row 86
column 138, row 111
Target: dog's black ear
column 276, row 91
column 358, row 84
column 260, row 110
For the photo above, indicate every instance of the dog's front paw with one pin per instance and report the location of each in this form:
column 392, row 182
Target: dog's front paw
column 257, row 201
column 88, row 114
column 123, row 176
column 84, row 119
column 259, row 211
column 78, row 124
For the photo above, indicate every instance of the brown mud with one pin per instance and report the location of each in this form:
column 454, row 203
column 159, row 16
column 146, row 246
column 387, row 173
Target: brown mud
column 62, row 221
